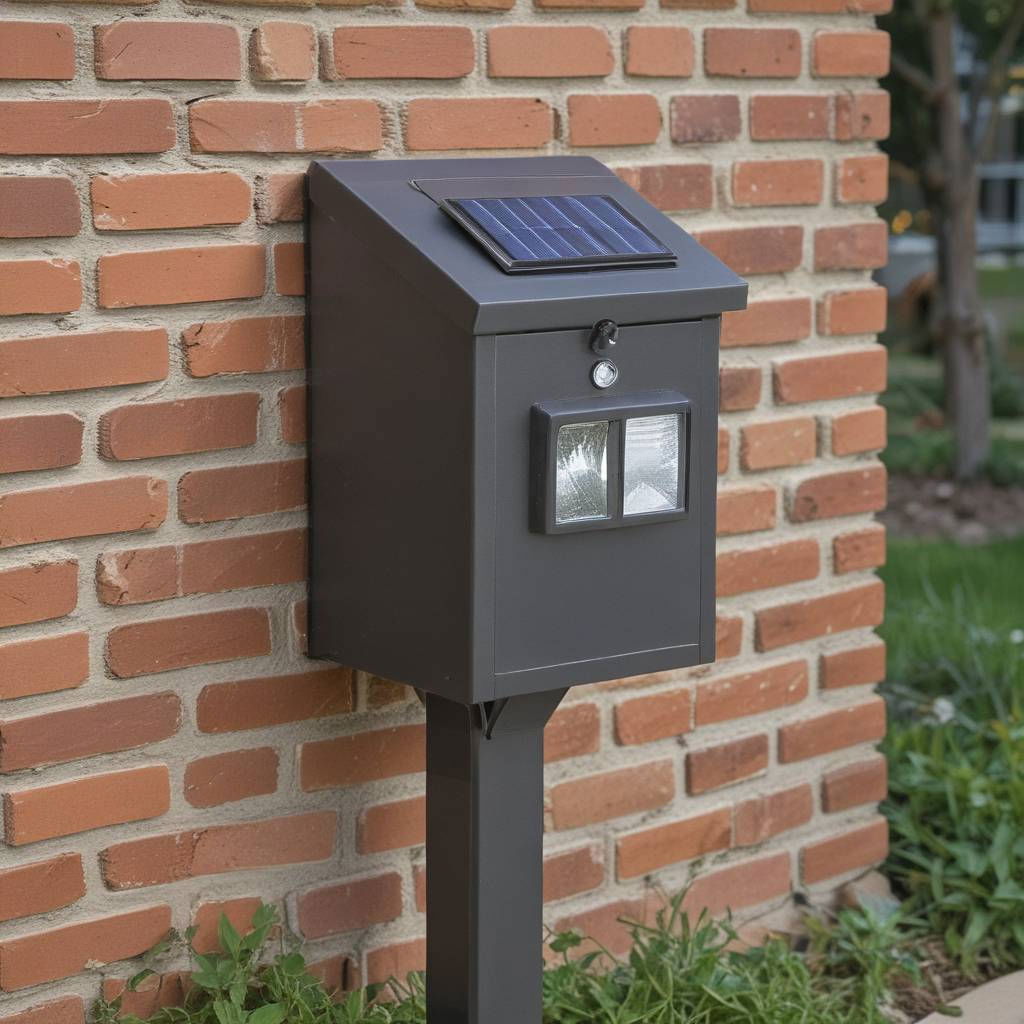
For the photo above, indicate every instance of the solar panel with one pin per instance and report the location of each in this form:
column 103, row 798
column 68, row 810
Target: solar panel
column 552, row 232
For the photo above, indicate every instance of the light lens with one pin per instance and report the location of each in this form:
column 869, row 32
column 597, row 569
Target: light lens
column 651, row 470
column 581, row 477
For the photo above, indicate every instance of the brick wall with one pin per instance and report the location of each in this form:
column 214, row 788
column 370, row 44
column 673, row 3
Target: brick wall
column 167, row 751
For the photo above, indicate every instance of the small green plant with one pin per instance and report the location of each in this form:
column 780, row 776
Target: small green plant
column 676, row 973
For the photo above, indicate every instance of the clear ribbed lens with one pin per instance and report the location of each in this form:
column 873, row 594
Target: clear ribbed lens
column 651, row 470
column 581, row 478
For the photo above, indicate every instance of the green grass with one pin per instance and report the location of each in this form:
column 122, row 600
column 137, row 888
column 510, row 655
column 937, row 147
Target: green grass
column 955, row 629
column 1001, row 282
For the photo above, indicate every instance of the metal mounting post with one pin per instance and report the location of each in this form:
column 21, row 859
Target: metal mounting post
column 485, row 827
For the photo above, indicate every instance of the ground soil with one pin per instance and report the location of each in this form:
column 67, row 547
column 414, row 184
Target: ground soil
column 969, row 513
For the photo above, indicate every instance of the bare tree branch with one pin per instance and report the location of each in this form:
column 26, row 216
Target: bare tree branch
column 912, row 74
column 994, row 81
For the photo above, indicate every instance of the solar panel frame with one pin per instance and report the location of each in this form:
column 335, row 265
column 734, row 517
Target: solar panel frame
column 535, row 246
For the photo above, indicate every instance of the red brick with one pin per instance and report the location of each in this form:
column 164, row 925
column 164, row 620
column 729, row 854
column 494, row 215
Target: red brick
column 726, row 764
column 728, row 636
column 756, row 250
column 281, row 199
column 854, row 785
column 698, row 5
column 98, row 801
column 45, row 665
column 613, row 794
column 292, row 408
column 105, row 126
column 348, row 906
column 764, row 817
column 275, row 700
column 659, row 717
column 213, row 495
column 262, row 344
column 839, row 494
column 723, row 451
column 740, row 885
column 851, row 54
column 230, row 777
column 745, row 510
column 746, row 570
column 851, row 247
column 468, row 5
column 672, row 187
column 863, row 179
column 784, row 117
column 182, row 50
column 641, row 853
column 861, row 666
column 37, row 592
column 857, row 608
column 148, row 429
column 864, row 549
column 38, row 207
column 74, row 362
column 364, row 757
column 478, row 123
column 573, row 872
column 659, row 51
column 751, row 693
column 862, row 115
column 392, row 826
column 137, row 202
column 768, row 322
column 239, row 913
column 540, row 51
column 153, row 994
column 839, row 855
column 162, row 277
column 82, row 510
column 739, row 388
column 283, row 51
column 37, row 49
column 705, row 119
column 856, row 311
column 270, row 126
column 778, row 443
column 40, row 887
column 40, row 442
column 572, row 731
column 607, row 927
column 613, row 120
column 39, row 286
column 216, row 849
column 397, row 960
column 833, row 730
column 778, row 182
column 289, row 268
column 403, row 51
column 162, row 645
column 68, row 1010
column 820, row 378
column 61, row 952
column 752, row 52
column 69, row 734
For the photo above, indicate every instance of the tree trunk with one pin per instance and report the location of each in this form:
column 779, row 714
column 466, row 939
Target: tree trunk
column 968, row 398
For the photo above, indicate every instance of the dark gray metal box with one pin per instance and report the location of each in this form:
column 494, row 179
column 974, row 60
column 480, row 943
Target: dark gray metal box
column 434, row 374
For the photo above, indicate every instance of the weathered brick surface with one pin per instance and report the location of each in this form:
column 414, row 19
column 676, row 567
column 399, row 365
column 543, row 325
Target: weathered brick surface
column 159, row 722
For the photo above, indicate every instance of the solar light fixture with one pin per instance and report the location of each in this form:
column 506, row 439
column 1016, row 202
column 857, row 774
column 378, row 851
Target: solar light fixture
column 513, row 437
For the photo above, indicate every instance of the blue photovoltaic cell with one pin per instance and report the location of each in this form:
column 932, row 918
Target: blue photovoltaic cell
column 559, row 230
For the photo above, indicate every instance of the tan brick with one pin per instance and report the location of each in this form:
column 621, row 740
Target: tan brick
column 478, row 123
column 838, row 855
column 137, row 202
column 542, row 51
column 726, row 764
column 640, row 853
column 751, row 693
column 98, row 801
column 659, row 51
column 216, row 849
column 283, row 51
column 183, row 50
column 857, row 608
column 613, row 120
column 778, row 443
column 613, row 794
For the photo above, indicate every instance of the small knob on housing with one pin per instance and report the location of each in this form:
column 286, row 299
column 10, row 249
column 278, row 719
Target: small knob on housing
column 604, row 336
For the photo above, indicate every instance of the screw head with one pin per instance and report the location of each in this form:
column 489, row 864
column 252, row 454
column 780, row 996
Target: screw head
column 604, row 373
